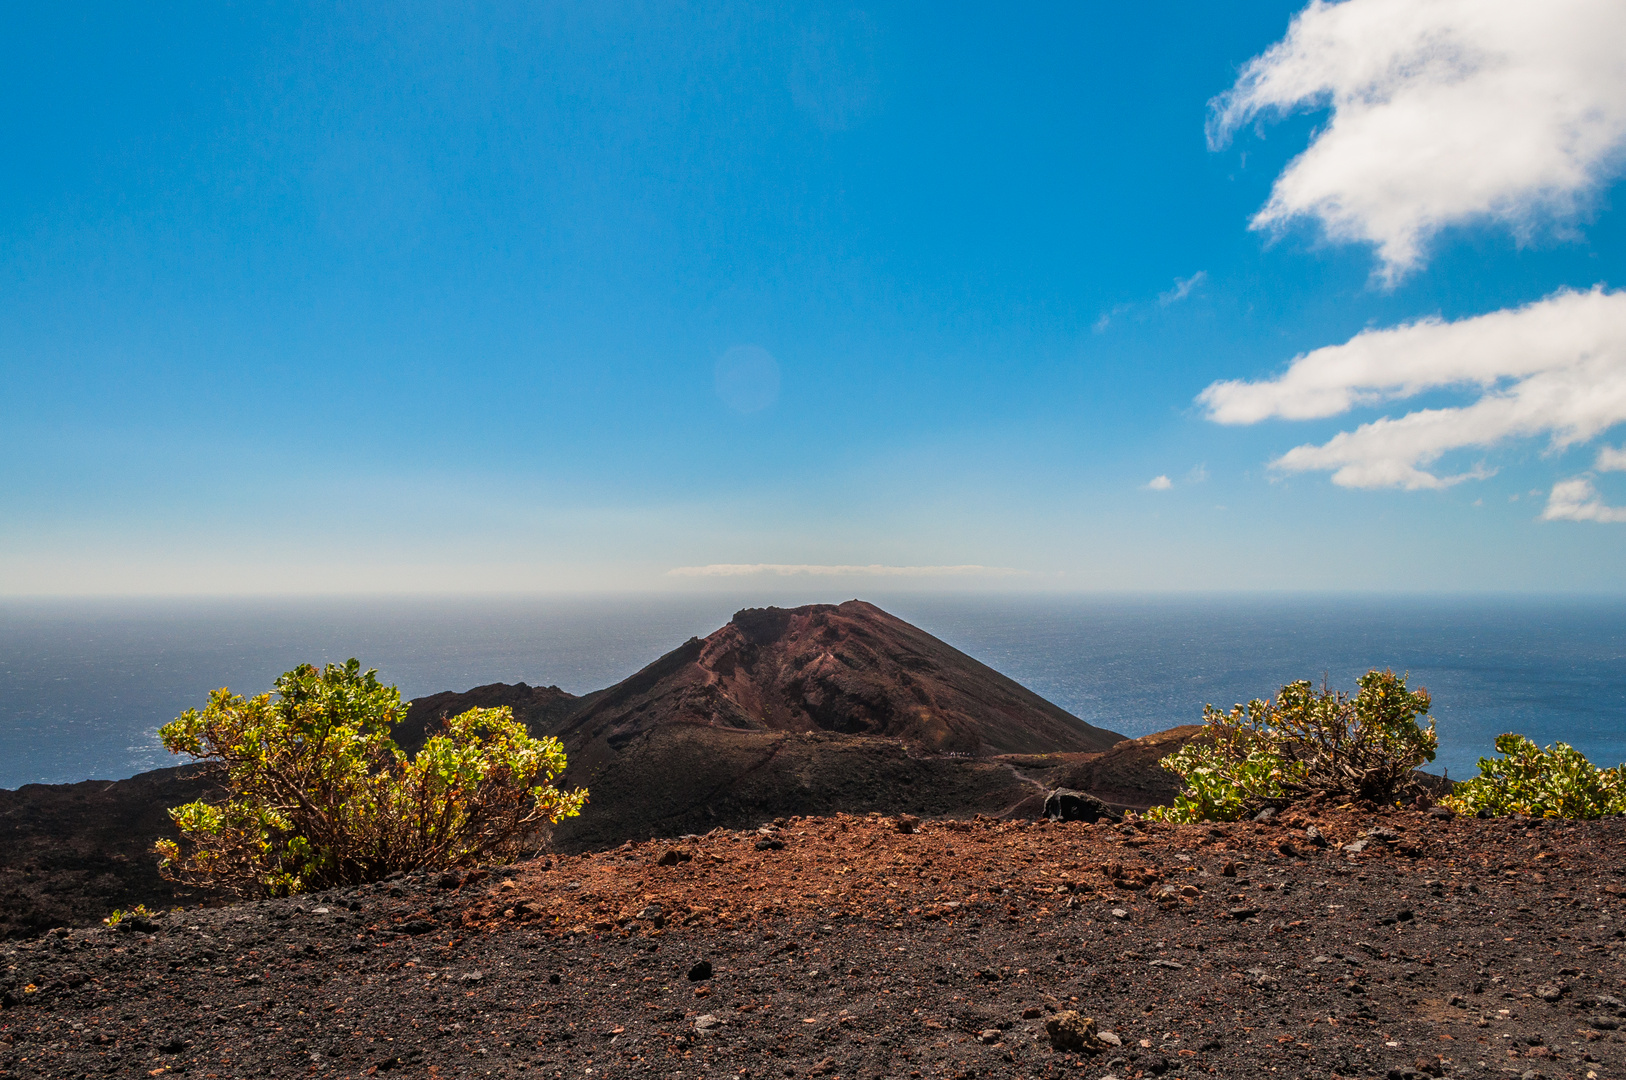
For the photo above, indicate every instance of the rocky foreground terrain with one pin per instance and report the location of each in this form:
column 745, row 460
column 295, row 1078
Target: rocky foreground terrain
column 1331, row 942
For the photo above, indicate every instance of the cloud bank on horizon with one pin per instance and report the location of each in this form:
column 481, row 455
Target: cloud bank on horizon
column 725, row 570
column 1446, row 113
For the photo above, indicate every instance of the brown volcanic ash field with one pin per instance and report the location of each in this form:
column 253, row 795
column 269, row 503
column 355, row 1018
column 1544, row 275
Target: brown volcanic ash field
column 1443, row 947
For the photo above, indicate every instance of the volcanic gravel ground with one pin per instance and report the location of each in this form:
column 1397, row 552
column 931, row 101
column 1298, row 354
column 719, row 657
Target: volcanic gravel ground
column 844, row 947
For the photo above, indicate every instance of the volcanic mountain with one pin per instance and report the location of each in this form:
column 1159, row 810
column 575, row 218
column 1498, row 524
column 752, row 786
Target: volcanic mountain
column 849, row 668
column 806, row 710
column 813, row 710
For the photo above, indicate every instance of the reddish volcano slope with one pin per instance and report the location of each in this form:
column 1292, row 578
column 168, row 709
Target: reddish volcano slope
column 851, row 669
column 815, row 709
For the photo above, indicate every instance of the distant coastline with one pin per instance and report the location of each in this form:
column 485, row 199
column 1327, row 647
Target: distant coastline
column 85, row 684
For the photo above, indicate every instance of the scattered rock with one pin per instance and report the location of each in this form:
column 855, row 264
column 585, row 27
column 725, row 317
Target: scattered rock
column 1549, row 992
column 1172, row 965
column 1119, row 913
column 1355, row 847
column 1243, row 912
column 1383, row 833
column 700, row 971
column 988, row 1035
column 707, row 1022
column 907, row 823
column 673, row 856
column 1266, row 814
column 1071, row 1032
column 1064, row 804
column 1314, row 836
column 770, row 843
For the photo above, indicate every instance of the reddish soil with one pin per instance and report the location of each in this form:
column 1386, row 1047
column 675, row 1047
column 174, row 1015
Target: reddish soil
column 843, row 947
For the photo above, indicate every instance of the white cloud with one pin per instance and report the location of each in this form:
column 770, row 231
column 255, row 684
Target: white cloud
column 1578, row 500
column 1610, row 459
column 1443, row 112
column 1158, row 483
column 1556, row 367
column 1182, row 288
column 815, row 570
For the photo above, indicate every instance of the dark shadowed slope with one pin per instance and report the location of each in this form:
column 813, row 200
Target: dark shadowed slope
column 539, row 708
column 852, row 669
column 71, row 853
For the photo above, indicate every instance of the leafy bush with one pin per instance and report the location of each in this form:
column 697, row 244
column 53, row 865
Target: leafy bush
column 1303, row 743
column 320, row 796
column 1556, row 782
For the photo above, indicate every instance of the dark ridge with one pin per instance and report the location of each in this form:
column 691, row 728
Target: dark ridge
column 539, row 708
column 71, row 853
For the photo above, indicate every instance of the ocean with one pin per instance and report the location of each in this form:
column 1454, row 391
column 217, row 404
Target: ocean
column 84, row 685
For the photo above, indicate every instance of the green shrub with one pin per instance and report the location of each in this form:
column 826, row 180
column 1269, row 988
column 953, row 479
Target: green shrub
column 319, row 795
column 137, row 913
column 1558, row 782
column 1303, row 743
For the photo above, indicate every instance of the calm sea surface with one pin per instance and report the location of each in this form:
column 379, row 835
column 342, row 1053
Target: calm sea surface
column 85, row 685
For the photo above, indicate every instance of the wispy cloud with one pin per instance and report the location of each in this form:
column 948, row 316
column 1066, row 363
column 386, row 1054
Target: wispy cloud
column 818, row 570
column 1141, row 309
column 1578, row 500
column 1610, row 459
column 1106, row 318
column 1443, row 112
column 1556, row 367
column 1182, row 288
column 1158, row 483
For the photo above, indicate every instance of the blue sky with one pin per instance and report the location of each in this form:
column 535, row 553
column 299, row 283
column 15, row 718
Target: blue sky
column 569, row 297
